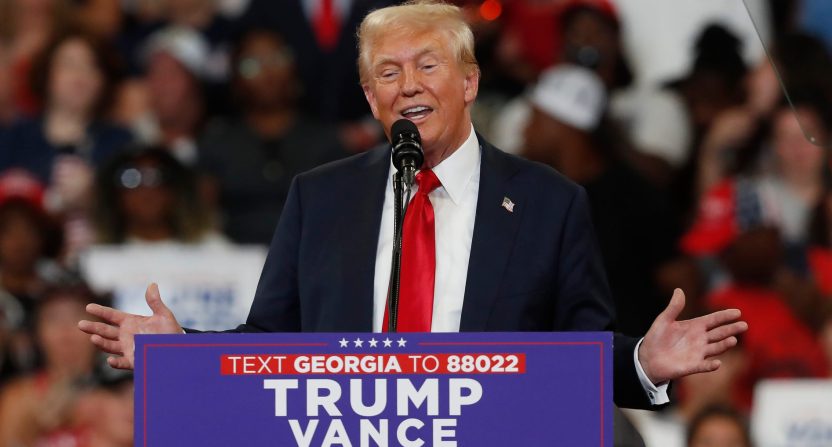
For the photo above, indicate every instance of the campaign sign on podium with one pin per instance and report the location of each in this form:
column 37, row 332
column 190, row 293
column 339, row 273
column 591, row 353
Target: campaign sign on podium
column 368, row 390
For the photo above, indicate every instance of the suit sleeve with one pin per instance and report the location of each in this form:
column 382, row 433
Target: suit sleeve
column 276, row 306
column 585, row 302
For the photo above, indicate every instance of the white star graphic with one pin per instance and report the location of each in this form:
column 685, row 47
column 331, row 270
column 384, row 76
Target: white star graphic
column 358, row 343
column 401, row 342
column 373, row 342
column 387, row 342
column 343, row 342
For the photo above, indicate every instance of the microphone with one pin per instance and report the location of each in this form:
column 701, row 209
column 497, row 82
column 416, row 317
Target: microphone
column 407, row 149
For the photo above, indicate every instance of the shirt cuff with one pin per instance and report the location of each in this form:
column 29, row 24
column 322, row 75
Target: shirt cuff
column 657, row 394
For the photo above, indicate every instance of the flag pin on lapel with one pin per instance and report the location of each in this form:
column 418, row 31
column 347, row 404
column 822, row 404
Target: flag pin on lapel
column 508, row 204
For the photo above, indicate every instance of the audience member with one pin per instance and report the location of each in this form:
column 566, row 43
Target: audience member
column 172, row 91
column 204, row 19
column 778, row 342
column 714, row 84
column 568, row 130
column 591, row 34
column 588, row 34
column 733, row 143
column 38, row 404
column 74, row 77
column 254, row 157
column 782, row 193
column 103, row 415
column 719, row 427
column 146, row 197
column 29, row 240
column 203, row 16
column 62, row 146
column 26, row 27
column 321, row 36
column 28, row 237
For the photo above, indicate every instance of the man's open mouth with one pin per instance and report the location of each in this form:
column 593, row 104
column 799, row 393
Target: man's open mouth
column 416, row 112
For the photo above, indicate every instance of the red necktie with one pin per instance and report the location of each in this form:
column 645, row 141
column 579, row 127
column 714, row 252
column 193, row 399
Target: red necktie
column 418, row 259
column 326, row 25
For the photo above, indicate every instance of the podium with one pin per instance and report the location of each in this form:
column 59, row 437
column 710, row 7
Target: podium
column 368, row 390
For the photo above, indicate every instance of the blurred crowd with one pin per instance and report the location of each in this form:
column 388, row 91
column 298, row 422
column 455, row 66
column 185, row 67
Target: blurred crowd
column 158, row 122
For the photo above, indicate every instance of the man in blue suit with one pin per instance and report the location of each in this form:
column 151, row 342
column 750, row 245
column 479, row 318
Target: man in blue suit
column 514, row 250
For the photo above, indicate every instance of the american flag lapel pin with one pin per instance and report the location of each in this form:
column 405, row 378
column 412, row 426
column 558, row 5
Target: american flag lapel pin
column 508, row 204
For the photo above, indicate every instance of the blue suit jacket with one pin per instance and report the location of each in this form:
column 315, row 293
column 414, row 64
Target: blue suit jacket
column 536, row 269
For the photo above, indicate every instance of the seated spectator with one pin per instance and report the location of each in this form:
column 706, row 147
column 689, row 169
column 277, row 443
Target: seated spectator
column 585, row 33
column 779, row 343
column 254, row 157
column 714, row 84
column 168, row 104
column 204, row 17
column 26, row 26
column 29, row 239
column 35, row 405
column 62, row 146
column 719, row 426
column 322, row 37
column 147, row 197
column 101, row 417
column 734, row 141
column 783, row 195
column 568, row 131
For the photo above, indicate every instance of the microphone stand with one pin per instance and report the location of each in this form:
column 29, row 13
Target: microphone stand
column 399, row 209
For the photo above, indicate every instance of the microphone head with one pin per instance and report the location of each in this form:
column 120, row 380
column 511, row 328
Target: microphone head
column 404, row 128
column 407, row 145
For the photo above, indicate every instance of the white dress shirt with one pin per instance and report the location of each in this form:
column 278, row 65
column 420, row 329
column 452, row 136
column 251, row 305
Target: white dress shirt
column 454, row 206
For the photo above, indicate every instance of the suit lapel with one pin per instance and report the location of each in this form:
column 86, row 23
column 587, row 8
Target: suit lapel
column 495, row 229
column 359, row 238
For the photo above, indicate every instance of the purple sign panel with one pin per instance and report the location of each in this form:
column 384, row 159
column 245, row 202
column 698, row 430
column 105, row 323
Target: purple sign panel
column 374, row 390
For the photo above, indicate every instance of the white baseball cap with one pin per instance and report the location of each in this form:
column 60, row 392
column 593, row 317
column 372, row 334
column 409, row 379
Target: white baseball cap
column 571, row 94
column 182, row 43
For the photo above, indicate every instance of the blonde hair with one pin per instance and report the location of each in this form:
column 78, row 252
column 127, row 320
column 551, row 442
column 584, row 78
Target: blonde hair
column 416, row 16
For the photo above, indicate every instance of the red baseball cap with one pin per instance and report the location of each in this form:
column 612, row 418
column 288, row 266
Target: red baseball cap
column 716, row 224
column 604, row 6
column 19, row 184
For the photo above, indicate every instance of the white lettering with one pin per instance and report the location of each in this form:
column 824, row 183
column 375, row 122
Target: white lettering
column 455, row 397
column 315, row 399
column 401, row 433
column 357, row 401
column 429, row 391
column 444, row 428
column 379, row 434
column 336, row 434
column 303, row 437
column 280, row 387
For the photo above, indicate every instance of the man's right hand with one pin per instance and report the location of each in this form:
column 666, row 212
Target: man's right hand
column 114, row 334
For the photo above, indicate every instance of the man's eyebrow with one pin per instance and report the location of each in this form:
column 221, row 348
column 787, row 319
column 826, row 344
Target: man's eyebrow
column 384, row 60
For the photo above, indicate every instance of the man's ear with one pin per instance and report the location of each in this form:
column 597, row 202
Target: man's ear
column 371, row 99
column 472, row 84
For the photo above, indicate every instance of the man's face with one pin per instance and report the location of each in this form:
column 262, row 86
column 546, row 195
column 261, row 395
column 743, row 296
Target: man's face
column 417, row 77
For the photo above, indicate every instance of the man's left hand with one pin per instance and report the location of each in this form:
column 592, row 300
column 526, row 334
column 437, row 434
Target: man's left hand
column 674, row 349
